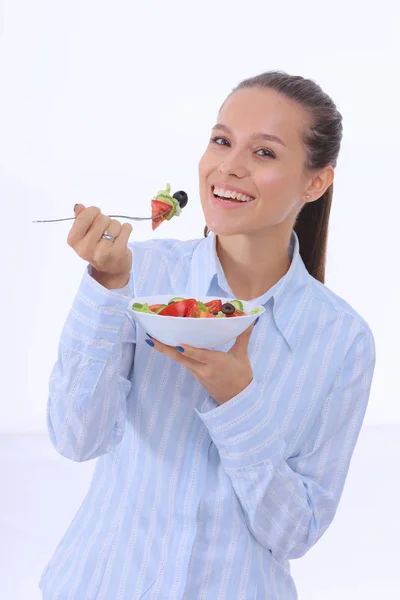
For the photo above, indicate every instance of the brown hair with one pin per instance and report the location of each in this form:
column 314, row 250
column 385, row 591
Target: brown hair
column 322, row 143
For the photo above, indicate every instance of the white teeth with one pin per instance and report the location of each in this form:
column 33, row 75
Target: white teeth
column 234, row 195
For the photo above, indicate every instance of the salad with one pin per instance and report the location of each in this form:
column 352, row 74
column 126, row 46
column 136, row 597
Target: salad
column 164, row 206
column 190, row 307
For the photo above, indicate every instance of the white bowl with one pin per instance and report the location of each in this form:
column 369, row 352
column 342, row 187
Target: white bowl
column 196, row 332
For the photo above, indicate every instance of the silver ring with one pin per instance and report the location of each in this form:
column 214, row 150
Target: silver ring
column 108, row 236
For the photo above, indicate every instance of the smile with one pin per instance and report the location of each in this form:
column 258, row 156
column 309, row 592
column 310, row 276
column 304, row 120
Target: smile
column 228, row 203
column 230, row 196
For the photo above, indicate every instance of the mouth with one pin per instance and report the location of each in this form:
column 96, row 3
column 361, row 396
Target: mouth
column 221, row 196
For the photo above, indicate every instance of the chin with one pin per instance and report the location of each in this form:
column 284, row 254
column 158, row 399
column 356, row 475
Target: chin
column 227, row 229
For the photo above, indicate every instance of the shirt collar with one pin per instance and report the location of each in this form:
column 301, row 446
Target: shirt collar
column 289, row 297
column 203, row 267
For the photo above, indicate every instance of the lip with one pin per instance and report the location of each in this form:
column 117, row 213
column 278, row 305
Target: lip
column 229, row 188
column 219, row 203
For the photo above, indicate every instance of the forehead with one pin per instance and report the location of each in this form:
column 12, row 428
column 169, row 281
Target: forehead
column 257, row 110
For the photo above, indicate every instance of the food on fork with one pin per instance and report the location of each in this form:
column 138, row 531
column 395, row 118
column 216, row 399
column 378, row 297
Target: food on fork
column 165, row 203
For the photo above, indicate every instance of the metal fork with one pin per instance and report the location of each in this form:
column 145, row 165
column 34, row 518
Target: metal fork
column 111, row 217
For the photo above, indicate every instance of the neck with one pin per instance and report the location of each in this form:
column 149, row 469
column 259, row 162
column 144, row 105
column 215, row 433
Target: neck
column 253, row 264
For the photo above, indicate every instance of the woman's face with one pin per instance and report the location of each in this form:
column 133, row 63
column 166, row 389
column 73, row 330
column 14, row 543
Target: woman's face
column 268, row 170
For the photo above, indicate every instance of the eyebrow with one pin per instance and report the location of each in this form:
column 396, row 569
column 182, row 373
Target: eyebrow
column 265, row 136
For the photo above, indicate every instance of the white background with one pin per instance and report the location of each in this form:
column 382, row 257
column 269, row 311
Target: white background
column 103, row 103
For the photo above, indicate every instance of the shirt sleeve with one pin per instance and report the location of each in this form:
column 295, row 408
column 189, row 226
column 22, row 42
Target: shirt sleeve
column 289, row 502
column 89, row 383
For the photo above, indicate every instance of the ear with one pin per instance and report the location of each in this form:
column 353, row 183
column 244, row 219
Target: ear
column 319, row 184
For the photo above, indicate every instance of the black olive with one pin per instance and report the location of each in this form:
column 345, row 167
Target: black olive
column 228, row 308
column 215, row 313
column 182, row 198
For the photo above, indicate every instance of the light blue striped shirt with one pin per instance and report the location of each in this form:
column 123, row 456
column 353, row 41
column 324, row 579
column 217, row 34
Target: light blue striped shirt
column 191, row 500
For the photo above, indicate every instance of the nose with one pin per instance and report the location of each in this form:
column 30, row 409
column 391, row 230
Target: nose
column 234, row 164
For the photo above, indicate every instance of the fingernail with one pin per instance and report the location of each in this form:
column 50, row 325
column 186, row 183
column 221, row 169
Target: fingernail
column 179, row 348
column 148, row 335
column 149, row 342
column 256, row 321
column 75, row 207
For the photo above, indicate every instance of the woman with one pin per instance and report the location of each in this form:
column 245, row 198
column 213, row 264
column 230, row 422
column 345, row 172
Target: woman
column 215, row 467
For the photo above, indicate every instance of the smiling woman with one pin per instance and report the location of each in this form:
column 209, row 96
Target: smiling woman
column 216, row 466
column 312, row 127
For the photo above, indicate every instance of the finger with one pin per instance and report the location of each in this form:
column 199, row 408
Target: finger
column 78, row 208
column 201, row 355
column 174, row 354
column 87, row 246
column 122, row 240
column 241, row 345
column 82, row 224
column 101, row 224
column 113, row 227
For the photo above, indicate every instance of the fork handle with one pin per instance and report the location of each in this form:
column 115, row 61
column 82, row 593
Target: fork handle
column 111, row 216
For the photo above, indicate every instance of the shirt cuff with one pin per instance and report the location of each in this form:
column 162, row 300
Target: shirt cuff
column 241, row 428
column 94, row 323
column 125, row 291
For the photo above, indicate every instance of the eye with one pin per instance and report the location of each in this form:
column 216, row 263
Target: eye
column 269, row 153
column 218, row 138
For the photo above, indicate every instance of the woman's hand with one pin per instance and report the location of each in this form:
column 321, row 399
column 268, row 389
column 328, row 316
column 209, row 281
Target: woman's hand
column 111, row 261
column 222, row 374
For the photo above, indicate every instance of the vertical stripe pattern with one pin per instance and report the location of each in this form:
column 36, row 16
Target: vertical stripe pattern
column 190, row 499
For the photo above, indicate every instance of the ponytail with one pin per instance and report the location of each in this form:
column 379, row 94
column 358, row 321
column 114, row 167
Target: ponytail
column 311, row 227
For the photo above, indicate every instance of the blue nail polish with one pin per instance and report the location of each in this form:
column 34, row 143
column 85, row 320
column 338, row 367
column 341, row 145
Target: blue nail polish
column 148, row 335
column 256, row 321
column 149, row 342
column 179, row 348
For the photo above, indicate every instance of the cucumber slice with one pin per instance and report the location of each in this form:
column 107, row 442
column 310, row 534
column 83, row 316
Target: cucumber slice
column 160, row 308
column 255, row 311
column 142, row 308
column 202, row 306
column 165, row 196
column 175, row 300
column 237, row 304
column 220, row 314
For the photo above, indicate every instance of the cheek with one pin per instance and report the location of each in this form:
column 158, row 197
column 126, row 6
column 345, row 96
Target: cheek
column 203, row 176
column 278, row 186
column 204, row 168
column 273, row 178
column 278, row 190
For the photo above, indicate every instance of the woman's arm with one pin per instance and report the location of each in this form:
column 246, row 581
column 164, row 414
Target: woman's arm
column 89, row 383
column 289, row 502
